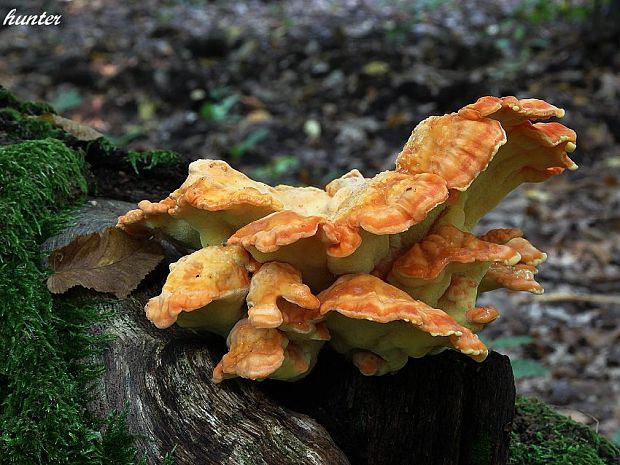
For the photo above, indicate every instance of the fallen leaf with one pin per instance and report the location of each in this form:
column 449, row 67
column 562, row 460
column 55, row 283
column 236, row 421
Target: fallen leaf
column 376, row 68
column 613, row 162
column 577, row 415
column 312, row 128
column 258, row 116
column 146, row 109
column 252, row 101
column 79, row 131
column 397, row 119
column 107, row 261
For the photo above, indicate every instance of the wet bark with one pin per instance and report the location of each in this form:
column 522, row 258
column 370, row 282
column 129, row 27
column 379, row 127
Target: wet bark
column 444, row 409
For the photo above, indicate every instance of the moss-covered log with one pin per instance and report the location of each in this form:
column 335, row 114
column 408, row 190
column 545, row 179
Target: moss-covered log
column 44, row 384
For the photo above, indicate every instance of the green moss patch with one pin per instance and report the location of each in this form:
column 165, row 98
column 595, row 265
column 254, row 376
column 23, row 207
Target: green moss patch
column 543, row 437
column 45, row 340
column 37, row 177
column 151, row 158
column 7, row 99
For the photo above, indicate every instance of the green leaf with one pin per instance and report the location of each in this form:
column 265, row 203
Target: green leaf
column 283, row 164
column 146, row 109
column 218, row 93
column 519, row 32
column 376, row 68
column 237, row 151
column 528, row 369
column 276, row 168
column 218, row 112
column 67, row 101
column 510, row 342
column 133, row 132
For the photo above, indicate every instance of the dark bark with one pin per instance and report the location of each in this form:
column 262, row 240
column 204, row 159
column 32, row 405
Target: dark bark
column 444, row 409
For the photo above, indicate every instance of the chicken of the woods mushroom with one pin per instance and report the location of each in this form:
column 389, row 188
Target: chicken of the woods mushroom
column 383, row 268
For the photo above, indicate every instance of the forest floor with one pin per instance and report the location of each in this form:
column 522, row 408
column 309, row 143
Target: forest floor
column 300, row 92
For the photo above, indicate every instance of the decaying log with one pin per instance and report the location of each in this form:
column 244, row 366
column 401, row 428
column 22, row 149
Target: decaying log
column 164, row 379
column 444, row 409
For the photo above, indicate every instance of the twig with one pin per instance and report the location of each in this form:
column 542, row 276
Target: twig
column 612, row 299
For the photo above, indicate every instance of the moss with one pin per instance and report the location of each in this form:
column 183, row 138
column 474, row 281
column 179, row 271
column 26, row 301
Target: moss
column 7, row 99
column 44, row 383
column 101, row 146
column 36, row 176
column 19, row 123
column 151, row 158
column 42, row 418
column 17, row 128
column 543, row 437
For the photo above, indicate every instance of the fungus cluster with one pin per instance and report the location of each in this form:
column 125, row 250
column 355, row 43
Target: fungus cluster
column 384, row 268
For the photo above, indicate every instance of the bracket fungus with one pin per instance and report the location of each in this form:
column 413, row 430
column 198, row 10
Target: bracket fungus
column 205, row 288
column 382, row 268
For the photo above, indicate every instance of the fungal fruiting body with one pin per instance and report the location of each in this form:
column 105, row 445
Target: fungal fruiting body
column 382, row 268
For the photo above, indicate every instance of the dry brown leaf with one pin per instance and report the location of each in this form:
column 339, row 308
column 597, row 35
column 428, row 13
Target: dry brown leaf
column 107, row 261
column 79, row 131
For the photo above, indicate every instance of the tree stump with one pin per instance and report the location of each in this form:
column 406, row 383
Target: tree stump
column 443, row 409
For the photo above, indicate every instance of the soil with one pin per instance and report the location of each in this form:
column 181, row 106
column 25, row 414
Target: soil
column 326, row 86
